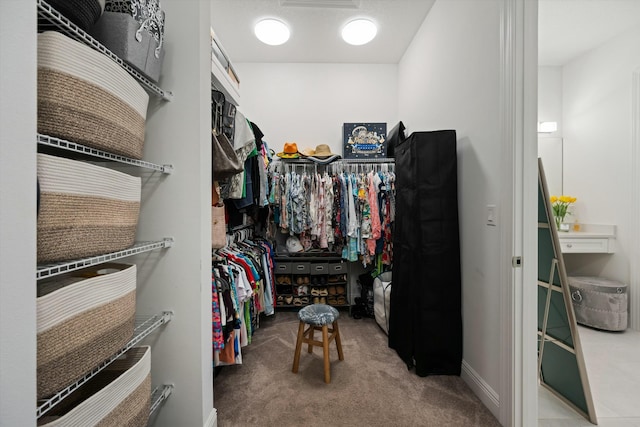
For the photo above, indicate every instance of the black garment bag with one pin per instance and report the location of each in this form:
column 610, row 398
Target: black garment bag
column 425, row 315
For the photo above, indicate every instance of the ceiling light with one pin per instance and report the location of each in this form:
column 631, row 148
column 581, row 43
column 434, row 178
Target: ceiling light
column 359, row 32
column 272, row 32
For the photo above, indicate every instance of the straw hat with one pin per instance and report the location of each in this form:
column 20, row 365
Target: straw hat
column 290, row 151
column 323, row 154
column 306, row 152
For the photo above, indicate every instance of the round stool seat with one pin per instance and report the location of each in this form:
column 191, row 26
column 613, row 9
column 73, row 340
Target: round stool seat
column 318, row 314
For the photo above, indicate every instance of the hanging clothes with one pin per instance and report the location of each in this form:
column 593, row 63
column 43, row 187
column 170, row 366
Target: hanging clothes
column 342, row 212
column 242, row 290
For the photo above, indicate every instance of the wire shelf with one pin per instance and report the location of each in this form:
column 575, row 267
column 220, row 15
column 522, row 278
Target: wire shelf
column 144, row 325
column 159, row 395
column 50, row 270
column 83, row 149
column 49, row 17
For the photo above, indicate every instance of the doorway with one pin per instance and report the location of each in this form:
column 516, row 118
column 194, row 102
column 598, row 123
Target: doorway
column 598, row 76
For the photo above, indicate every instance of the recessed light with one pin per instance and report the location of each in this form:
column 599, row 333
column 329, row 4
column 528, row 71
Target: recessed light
column 359, row 32
column 272, row 32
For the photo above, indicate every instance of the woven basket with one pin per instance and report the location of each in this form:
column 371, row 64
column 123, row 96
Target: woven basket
column 85, row 97
column 85, row 210
column 83, row 318
column 119, row 395
column 83, row 13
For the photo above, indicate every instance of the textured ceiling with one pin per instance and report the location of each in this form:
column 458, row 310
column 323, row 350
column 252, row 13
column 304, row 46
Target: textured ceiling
column 315, row 29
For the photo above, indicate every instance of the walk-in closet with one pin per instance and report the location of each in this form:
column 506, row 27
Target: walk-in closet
column 187, row 212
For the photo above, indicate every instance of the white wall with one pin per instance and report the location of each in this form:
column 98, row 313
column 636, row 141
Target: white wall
column 17, row 213
column 550, row 110
column 449, row 79
column 596, row 100
column 308, row 103
column 550, row 97
column 179, row 206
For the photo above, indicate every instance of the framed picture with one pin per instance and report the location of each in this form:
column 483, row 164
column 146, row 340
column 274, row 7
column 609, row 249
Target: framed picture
column 364, row 140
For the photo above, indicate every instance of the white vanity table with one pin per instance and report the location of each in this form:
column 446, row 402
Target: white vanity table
column 591, row 239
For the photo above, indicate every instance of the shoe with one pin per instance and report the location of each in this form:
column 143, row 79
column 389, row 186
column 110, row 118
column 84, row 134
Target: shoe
column 314, row 280
column 332, row 290
column 315, row 292
column 280, row 300
column 332, row 300
column 323, row 292
column 323, row 300
column 339, row 289
column 305, row 280
column 297, row 302
column 288, row 299
column 304, row 300
column 299, row 281
column 341, row 300
column 316, row 300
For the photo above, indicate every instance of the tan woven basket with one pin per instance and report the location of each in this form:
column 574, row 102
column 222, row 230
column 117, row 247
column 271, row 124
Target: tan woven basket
column 85, row 97
column 84, row 317
column 119, row 395
column 85, row 210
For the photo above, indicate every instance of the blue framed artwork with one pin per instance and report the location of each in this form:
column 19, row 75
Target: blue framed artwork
column 364, row 140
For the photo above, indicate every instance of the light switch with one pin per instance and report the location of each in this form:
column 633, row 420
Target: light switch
column 492, row 215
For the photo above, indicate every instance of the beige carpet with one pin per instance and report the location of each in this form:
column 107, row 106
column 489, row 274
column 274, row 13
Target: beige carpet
column 371, row 387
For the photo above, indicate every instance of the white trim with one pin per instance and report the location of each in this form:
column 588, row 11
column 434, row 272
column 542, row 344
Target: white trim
column 212, row 420
column 518, row 104
column 488, row 396
column 634, row 226
column 509, row 410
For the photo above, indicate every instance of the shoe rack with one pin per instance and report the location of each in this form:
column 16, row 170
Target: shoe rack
column 301, row 281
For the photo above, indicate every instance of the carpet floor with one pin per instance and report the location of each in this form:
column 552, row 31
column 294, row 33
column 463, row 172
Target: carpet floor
column 371, row 387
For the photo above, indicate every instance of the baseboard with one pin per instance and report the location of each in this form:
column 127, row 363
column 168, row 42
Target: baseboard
column 485, row 393
column 212, row 421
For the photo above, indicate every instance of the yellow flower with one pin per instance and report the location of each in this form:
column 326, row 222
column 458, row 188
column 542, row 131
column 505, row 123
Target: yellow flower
column 560, row 206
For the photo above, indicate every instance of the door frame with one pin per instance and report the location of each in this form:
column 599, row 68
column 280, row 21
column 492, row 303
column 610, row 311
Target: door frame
column 519, row 112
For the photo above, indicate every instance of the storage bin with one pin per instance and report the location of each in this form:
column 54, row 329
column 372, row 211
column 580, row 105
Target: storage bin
column 283, row 268
column 83, row 318
column 148, row 13
column 301, row 267
column 600, row 303
column 85, row 210
column 127, row 38
column 382, row 299
column 85, row 97
column 319, row 268
column 337, row 268
column 119, row 395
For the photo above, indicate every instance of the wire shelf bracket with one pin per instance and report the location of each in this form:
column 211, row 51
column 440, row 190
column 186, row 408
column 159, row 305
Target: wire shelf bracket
column 50, row 270
column 144, row 326
column 83, row 149
column 159, row 395
column 69, row 28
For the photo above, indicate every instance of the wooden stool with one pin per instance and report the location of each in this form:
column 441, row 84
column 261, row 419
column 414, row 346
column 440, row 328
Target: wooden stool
column 318, row 317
